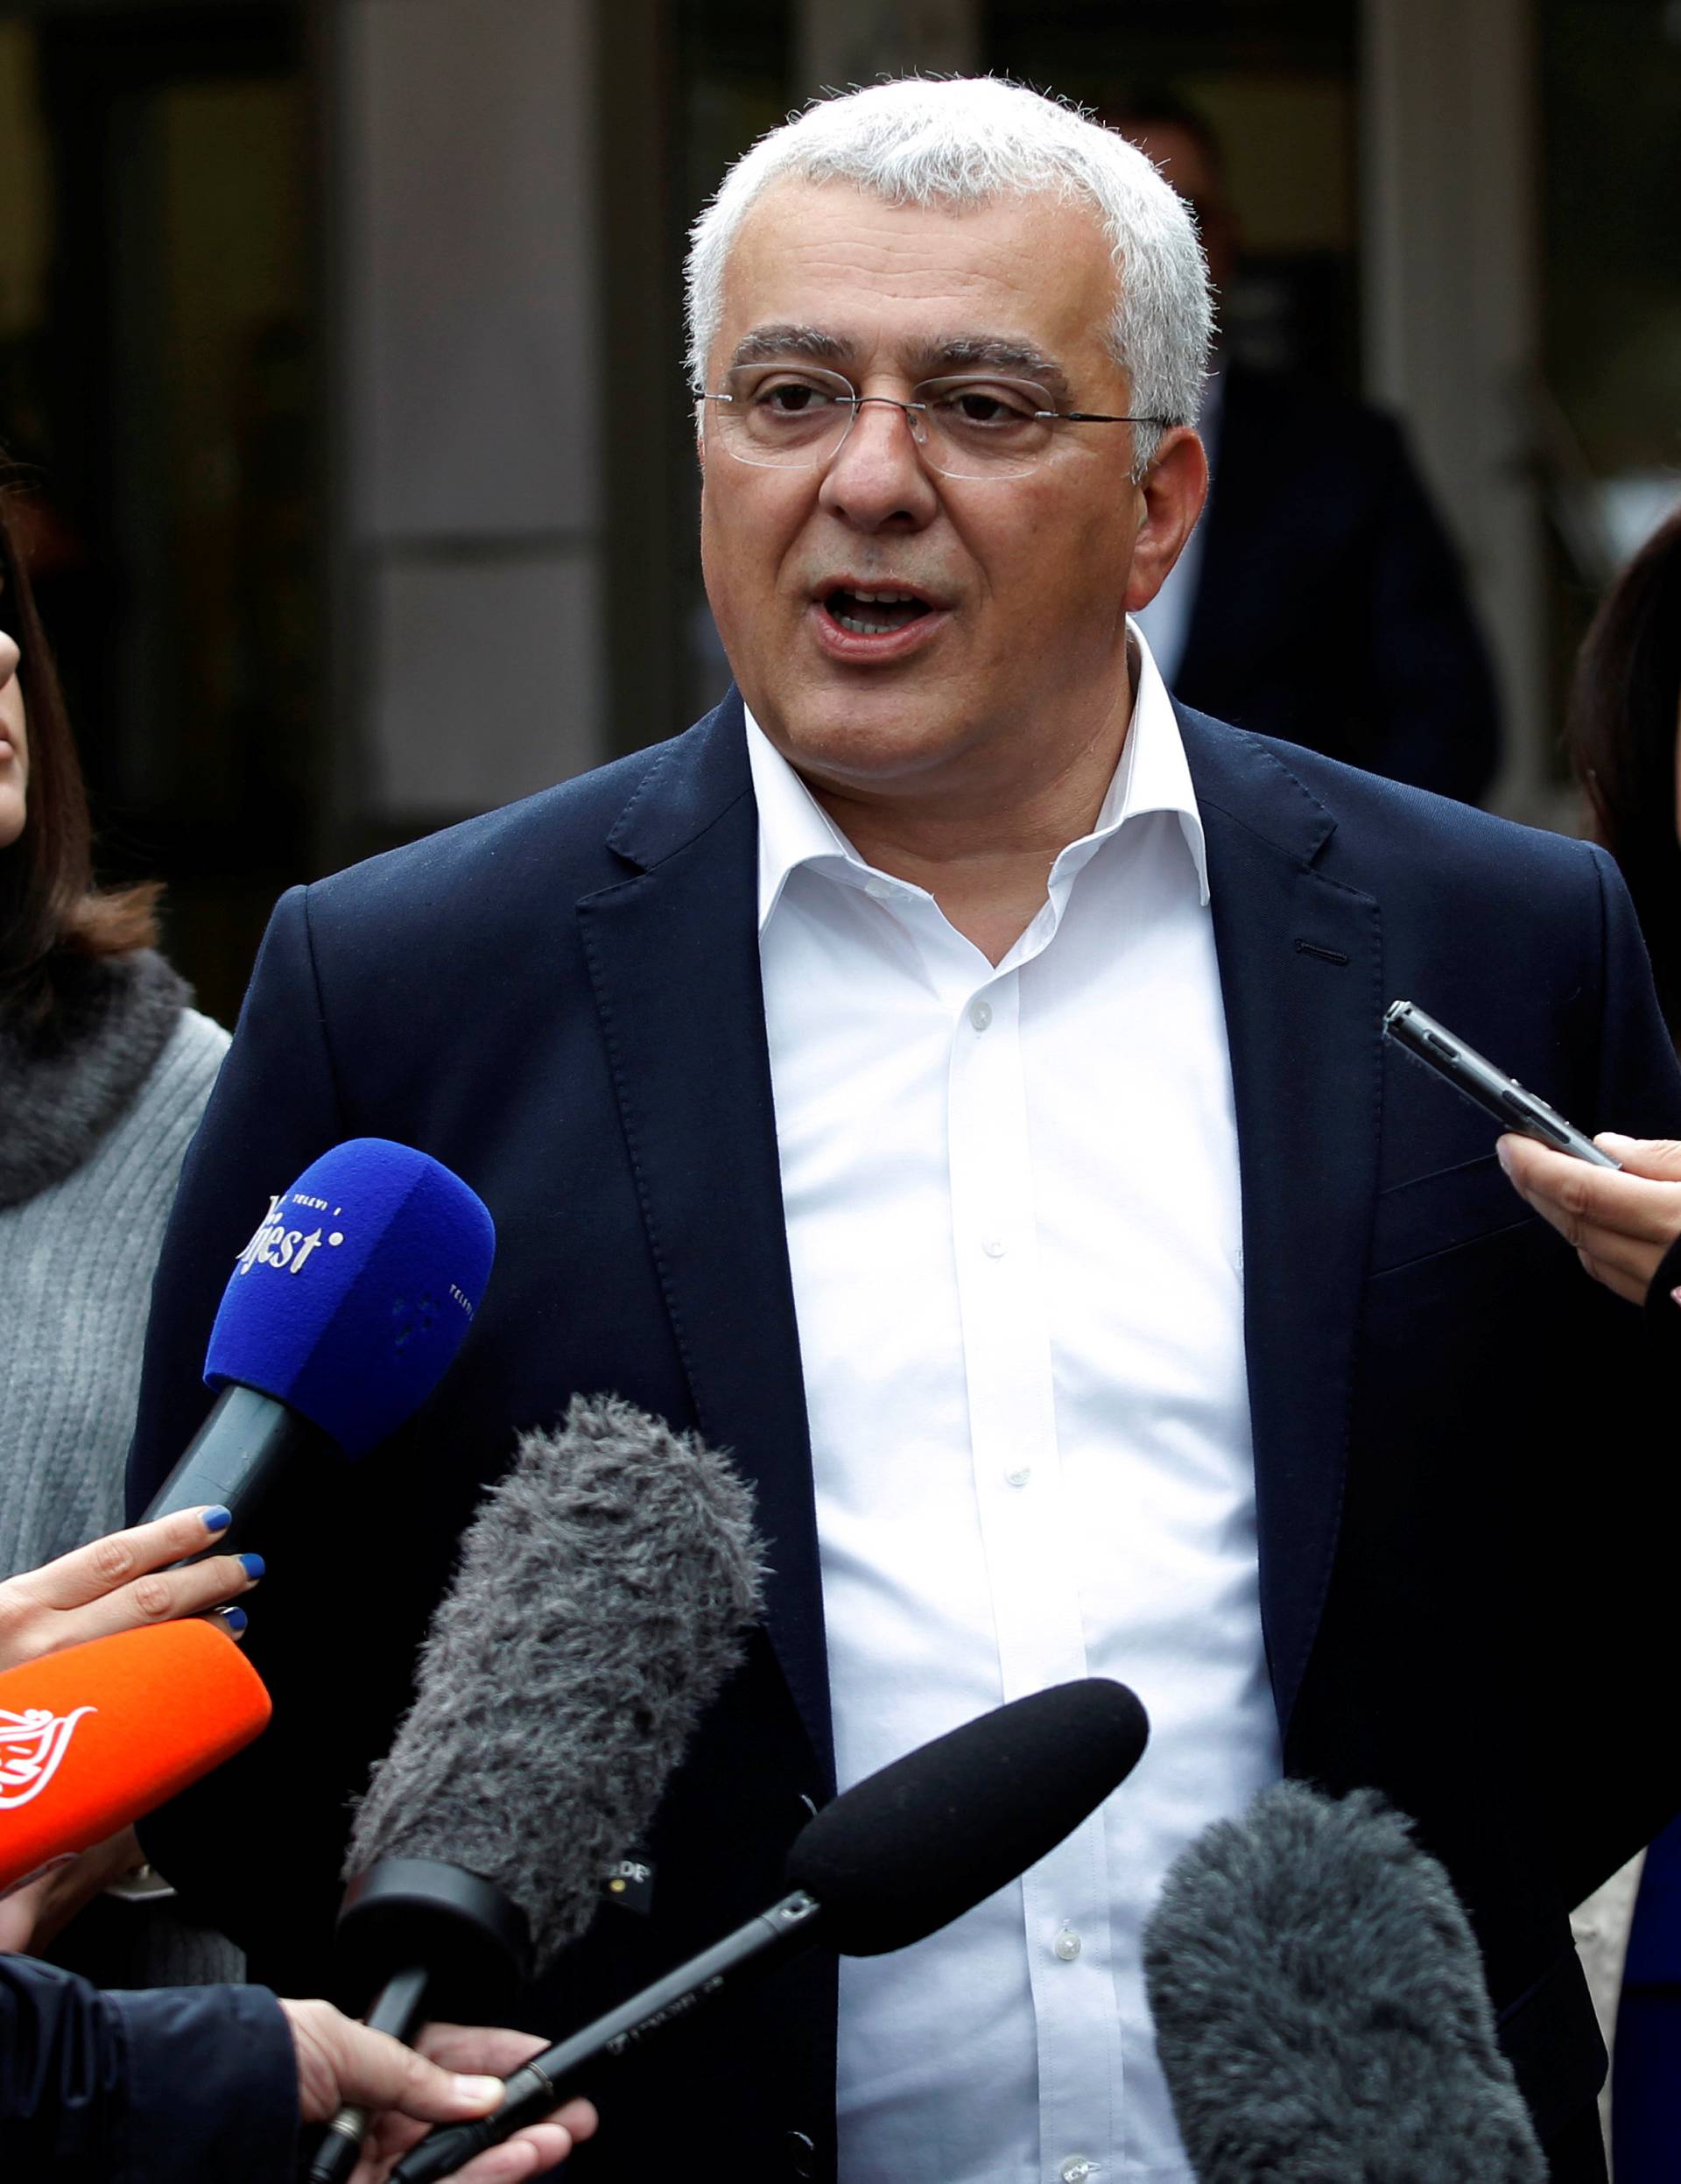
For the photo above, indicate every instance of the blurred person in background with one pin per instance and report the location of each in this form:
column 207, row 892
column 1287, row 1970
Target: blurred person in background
column 104, row 1070
column 1320, row 599
column 1625, row 745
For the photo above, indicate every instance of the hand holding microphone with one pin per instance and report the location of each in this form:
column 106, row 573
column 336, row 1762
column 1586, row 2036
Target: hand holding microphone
column 446, row 2077
column 123, row 1582
column 603, row 1591
column 891, row 1860
column 93, row 1737
column 1623, row 1225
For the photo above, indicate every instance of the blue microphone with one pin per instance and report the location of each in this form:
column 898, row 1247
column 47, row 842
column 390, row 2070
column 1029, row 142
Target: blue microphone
column 343, row 1313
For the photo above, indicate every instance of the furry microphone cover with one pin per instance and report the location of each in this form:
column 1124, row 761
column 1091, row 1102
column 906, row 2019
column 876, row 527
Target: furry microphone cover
column 1319, row 2006
column 604, row 1588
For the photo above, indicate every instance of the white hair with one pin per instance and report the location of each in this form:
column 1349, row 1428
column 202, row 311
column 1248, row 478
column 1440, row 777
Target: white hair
column 969, row 141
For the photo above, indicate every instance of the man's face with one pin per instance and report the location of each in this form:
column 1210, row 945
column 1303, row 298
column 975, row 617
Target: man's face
column 1016, row 645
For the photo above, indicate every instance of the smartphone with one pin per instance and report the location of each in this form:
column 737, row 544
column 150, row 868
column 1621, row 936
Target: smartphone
column 1501, row 1097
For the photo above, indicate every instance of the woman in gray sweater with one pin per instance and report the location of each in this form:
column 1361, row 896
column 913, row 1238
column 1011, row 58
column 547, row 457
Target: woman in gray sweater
column 105, row 1071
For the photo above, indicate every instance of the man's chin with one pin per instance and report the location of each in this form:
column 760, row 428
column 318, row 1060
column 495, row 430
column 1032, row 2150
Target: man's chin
column 863, row 744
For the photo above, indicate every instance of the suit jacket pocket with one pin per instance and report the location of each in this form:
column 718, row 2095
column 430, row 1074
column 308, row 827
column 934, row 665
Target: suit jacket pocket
column 1441, row 1211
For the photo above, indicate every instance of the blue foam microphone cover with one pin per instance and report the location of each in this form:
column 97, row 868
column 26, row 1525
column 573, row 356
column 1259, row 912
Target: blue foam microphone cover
column 356, row 1292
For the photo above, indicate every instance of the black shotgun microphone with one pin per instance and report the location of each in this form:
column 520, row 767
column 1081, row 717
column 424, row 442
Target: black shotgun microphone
column 892, row 1860
column 1320, row 2010
column 604, row 1588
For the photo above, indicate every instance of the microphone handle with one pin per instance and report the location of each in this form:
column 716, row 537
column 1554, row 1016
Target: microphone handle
column 397, row 2010
column 552, row 2077
column 236, row 1455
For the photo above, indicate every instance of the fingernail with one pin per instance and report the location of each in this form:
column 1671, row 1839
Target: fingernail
column 1611, row 1139
column 218, row 1519
column 236, row 1618
column 253, row 1565
column 483, row 2092
column 1502, row 1155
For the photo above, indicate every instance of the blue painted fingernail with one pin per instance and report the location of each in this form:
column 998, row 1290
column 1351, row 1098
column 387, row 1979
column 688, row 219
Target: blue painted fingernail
column 218, row 1519
column 236, row 1618
column 253, row 1565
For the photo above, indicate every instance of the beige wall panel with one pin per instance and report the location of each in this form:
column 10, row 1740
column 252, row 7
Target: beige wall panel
column 470, row 280
column 488, row 682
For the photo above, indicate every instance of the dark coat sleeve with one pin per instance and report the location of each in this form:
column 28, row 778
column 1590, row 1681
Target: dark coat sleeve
column 164, row 2087
column 275, row 1110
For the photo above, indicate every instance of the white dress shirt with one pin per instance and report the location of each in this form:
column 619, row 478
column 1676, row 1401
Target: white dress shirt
column 1013, row 1222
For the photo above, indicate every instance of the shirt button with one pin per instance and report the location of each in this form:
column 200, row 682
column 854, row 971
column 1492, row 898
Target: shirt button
column 1019, row 1476
column 1077, row 2168
column 879, row 890
column 1067, row 1945
column 981, row 1014
column 994, row 1247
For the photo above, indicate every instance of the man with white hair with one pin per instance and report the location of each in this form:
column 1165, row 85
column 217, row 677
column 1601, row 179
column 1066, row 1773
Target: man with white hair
column 951, row 1078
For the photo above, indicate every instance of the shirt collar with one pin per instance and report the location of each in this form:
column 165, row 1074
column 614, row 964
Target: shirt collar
column 1152, row 775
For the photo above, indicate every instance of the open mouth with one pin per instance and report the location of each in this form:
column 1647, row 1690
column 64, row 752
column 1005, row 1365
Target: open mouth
column 873, row 613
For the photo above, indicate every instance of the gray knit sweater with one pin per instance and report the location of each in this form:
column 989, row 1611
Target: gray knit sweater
column 93, row 1127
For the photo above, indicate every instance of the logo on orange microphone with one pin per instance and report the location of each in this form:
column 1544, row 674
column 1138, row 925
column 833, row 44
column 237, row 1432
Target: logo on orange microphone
column 32, row 1746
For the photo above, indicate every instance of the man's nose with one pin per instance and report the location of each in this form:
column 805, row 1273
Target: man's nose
column 877, row 477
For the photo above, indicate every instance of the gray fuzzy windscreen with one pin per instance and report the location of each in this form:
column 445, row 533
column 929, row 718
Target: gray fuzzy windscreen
column 1319, row 2006
column 604, row 1588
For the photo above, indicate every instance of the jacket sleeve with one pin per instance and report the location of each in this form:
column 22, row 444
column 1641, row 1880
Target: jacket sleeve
column 273, row 1111
column 226, row 1844
column 164, row 2087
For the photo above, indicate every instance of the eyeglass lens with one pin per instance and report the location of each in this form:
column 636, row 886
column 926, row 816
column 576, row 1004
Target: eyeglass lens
column 966, row 426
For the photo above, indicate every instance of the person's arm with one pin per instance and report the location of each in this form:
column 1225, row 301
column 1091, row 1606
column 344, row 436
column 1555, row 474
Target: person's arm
column 161, row 2087
column 172, row 2085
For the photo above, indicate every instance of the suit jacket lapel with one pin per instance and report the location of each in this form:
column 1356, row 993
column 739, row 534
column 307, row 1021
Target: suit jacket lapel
column 1301, row 970
column 673, row 955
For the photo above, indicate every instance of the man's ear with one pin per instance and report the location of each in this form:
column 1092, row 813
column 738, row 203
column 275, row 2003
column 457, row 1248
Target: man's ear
column 1172, row 491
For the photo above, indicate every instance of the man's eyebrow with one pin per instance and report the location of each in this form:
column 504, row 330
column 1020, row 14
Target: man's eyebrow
column 930, row 359
column 990, row 352
column 767, row 345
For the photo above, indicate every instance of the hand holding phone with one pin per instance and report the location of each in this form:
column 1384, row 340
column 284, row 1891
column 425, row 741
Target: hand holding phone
column 1503, row 1097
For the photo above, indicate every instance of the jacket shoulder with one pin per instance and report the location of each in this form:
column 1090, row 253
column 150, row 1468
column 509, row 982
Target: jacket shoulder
column 1388, row 828
column 561, row 833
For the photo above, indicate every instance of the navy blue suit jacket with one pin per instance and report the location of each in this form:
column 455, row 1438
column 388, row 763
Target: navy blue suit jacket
column 561, row 1000
column 1329, row 605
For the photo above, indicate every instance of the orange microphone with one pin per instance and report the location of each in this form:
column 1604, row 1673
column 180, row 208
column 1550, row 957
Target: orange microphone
column 93, row 1737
